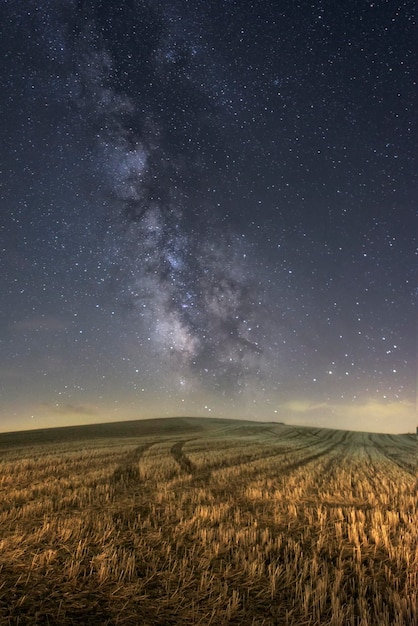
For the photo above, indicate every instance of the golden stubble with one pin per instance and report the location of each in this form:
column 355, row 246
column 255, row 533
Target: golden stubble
column 237, row 525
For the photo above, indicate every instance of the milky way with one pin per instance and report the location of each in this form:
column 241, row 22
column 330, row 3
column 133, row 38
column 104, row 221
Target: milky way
column 188, row 287
column 209, row 207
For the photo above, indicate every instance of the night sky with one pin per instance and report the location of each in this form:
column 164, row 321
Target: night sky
column 210, row 209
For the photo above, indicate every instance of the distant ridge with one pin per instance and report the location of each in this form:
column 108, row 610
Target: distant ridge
column 126, row 428
column 164, row 426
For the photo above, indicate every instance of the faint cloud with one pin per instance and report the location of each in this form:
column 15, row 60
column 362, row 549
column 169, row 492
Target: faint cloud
column 393, row 413
column 369, row 415
column 71, row 409
column 45, row 323
column 9, row 373
column 304, row 406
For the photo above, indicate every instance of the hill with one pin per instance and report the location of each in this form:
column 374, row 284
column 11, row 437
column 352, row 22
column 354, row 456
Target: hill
column 204, row 521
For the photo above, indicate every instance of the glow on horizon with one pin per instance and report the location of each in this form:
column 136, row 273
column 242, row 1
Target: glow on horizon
column 369, row 415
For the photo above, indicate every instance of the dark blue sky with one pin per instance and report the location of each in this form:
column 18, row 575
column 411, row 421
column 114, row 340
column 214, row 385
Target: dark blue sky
column 208, row 208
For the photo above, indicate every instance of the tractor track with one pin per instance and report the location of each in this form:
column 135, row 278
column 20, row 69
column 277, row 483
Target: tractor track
column 127, row 474
column 181, row 458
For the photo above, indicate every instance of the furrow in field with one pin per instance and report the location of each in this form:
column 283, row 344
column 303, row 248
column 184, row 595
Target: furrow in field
column 306, row 460
column 396, row 455
column 252, row 457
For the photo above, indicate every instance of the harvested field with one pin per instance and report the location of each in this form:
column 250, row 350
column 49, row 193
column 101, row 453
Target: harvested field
column 194, row 521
